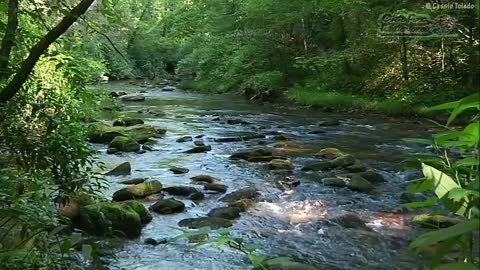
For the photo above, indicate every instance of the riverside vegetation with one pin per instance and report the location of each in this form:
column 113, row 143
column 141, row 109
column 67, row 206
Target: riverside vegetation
column 296, row 189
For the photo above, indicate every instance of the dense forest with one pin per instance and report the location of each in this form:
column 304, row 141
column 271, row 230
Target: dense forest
column 280, row 135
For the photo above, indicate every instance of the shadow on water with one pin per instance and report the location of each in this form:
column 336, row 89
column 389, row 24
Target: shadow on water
column 293, row 222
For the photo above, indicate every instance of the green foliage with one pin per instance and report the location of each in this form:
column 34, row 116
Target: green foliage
column 225, row 238
column 455, row 182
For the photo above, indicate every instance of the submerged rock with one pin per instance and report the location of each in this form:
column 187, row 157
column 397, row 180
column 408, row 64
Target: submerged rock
column 133, row 181
column 264, row 158
column 168, row 88
column 132, row 98
column 334, row 182
column 237, row 122
column 351, row 220
column 204, row 179
column 180, row 190
column 330, row 153
column 137, row 191
column 329, row 123
column 185, row 139
column 281, row 138
column 124, row 144
column 358, row 183
column 372, row 177
column 318, row 166
column 123, row 219
column 343, row 161
column 126, row 122
column 199, row 149
column 288, row 265
column 221, row 188
column 280, row 164
column 356, row 168
column 179, row 170
column 242, row 204
column 212, row 222
column 168, row 206
column 244, row 193
column 122, row 169
column 250, row 153
column 225, row 212
column 197, row 196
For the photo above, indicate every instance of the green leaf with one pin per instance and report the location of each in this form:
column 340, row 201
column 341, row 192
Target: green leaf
column 251, row 247
column 222, row 241
column 458, row 193
column 75, row 238
column 422, row 204
column 87, row 252
column 278, row 260
column 257, row 260
column 471, row 101
column 430, row 238
column 418, row 141
column 442, row 107
column 441, row 181
column 467, row 162
column 457, row 266
column 421, row 186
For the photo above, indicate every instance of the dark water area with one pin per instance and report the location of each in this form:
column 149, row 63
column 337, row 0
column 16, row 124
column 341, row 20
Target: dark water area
column 294, row 222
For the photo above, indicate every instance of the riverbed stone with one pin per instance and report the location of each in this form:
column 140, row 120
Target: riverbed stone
column 179, row 170
column 204, row 179
column 237, row 122
column 197, row 196
column 372, row 177
column 330, row 153
column 356, row 168
column 133, row 98
column 138, row 191
column 253, row 152
column 133, row 181
column 124, row 144
column 334, row 182
column 199, row 149
column 199, row 143
column 127, row 122
column 124, row 219
column 343, row 161
column 243, row 204
column 290, row 265
column 185, row 139
column 281, row 137
column 217, row 187
column 264, row 158
column 168, row 206
column 351, row 220
column 329, row 123
column 358, row 183
column 318, row 166
column 280, row 164
column 225, row 212
column 430, row 221
column 212, row 222
column 244, row 193
column 123, row 169
column 180, row 190
column 168, row 88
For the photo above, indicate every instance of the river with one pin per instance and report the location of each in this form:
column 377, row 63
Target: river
column 293, row 222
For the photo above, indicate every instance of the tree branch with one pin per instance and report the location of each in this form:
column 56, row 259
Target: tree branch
column 39, row 48
column 9, row 38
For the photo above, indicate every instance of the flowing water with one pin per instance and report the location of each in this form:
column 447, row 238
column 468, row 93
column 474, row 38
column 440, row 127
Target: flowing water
column 291, row 222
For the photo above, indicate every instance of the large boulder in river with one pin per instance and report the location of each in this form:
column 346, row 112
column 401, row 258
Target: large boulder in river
column 124, row 144
column 372, row 177
column 168, row 206
column 212, row 222
column 122, row 169
column 216, row 187
column 127, row 122
column 137, row 191
column 199, row 149
column 343, row 161
column 103, row 133
column 124, row 219
column 244, row 193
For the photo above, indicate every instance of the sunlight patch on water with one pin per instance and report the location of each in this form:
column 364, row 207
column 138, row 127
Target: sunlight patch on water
column 296, row 212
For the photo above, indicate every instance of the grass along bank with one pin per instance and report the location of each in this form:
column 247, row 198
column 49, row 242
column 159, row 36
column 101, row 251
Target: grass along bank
column 344, row 101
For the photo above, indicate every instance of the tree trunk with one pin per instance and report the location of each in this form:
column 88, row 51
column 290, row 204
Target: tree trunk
column 9, row 38
column 39, row 48
column 403, row 56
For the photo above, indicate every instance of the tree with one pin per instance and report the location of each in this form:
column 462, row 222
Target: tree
column 34, row 54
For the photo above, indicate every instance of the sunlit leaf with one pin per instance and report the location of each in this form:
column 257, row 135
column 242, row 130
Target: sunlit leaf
column 426, row 203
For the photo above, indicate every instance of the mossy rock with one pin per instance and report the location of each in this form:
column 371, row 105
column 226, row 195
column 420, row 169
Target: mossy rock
column 243, row 204
column 225, row 212
column 434, row 221
column 330, row 153
column 358, row 183
column 71, row 209
column 343, row 161
column 103, row 133
column 204, row 179
column 124, row 144
column 254, row 152
column 318, row 166
column 137, row 191
column 334, row 182
column 180, row 190
column 372, row 177
column 280, row 164
column 216, row 187
column 212, row 222
column 122, row 169
column 244, row 193
column 168, row 206
column 127, row 122
column 124, row 219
